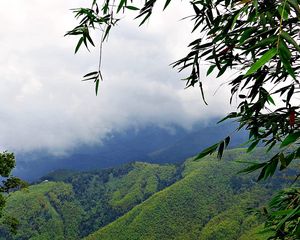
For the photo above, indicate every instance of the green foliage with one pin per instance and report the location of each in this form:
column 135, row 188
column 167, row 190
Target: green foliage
column 9, row 184
column 196, row 200
column 284, row 214
column 256, row 233
column 209, row 202
column 85, row 202
column 258, row 40
column 107, row 194
column 44, row 211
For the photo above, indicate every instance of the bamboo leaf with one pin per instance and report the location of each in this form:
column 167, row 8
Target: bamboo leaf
column 252, row 145
column 132, row 8
column 287, row 37
column 166, row 4
column 78, row 44
column 291, row 138
column 97, row 86
column 262, row 61
column 121, row 4
column 207, row 151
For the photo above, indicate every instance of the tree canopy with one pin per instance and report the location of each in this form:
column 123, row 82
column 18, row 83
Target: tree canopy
column 9, row 184
column 258, row 41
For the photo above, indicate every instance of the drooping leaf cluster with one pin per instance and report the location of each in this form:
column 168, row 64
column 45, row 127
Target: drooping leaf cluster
column 256, row 42
column 284, row 216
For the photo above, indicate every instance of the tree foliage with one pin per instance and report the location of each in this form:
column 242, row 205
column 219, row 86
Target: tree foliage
column 9, row 184
column 257, row 42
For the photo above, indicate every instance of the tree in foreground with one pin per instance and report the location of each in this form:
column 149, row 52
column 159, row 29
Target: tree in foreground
column 258, row 41
column 9, row 184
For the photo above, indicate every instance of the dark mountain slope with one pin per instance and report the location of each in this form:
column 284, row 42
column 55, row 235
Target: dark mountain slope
column 147, row 144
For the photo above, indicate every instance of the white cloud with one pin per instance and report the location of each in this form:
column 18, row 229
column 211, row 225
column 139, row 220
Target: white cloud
column 45, row 105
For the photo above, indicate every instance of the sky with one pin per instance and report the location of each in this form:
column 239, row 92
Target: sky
column 44, row 103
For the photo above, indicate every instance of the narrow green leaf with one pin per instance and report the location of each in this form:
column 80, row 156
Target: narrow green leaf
column 271, row 167
column 78, row 44
column 107, row 30
column 252, row 168
column 282, row 212
column 230, row 115
column 227, row 141
column 202, row 93
column 287, row 37
column 221, row 150
column 262, row 61
column 210, row 69
column 291, row 138
column 253, row 145
column 289, row 215
column 97, row 86
column 282, row 11
column 166, row 4
column 90, row 74
column 145, row 18
column 88, row 79
column 236, row 16
column 264, row 42
column 290, row 94
column 295, row 5
column 222, row 71
column 90, row 39
column 207, row 151
column 262, row 173
column 270, row 100
column 121, row 4
column 285, row 57
column 132, row 8
column 289, row 158
column 246, row 34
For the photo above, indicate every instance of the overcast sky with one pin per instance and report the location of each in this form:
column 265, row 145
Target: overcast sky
column 44, row 103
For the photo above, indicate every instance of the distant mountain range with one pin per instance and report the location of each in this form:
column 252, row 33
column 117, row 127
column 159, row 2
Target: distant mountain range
column 148, row 144
column 203, row 199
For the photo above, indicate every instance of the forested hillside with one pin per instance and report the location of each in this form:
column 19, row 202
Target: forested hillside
column 79, row 203
column 203, row 199
column 209, row 202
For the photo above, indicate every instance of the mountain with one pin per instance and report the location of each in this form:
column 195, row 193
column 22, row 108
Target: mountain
column 147, row 144
column 80, row 203
column 203, row 199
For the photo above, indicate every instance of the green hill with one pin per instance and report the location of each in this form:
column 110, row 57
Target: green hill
column 45, row 211
column 204, row 200
column 209, row 202
column 94, row 198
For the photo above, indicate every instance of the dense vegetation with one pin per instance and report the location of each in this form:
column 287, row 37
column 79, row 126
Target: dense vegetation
column 45, row 211
column 209, row 202
column 196, row 200
column 8, row 184
column 77, row 204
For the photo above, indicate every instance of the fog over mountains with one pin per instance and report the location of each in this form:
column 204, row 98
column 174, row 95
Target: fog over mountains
column 148, row 144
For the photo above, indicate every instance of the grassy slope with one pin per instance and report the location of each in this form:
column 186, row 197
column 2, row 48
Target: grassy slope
column 208, row 203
